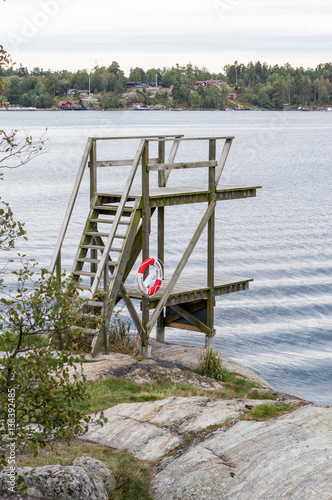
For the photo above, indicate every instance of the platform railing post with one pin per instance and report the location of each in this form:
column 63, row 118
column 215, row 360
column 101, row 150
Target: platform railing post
column 211, row 242
column 106, row 310
column 58, row 267
column 145, row 245
column 93, row 191
column 160, row 332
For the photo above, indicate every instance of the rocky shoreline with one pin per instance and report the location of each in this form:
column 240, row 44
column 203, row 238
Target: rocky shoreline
column 203, row 448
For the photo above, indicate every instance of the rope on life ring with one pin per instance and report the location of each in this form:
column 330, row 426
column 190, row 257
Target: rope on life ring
column 144, row 284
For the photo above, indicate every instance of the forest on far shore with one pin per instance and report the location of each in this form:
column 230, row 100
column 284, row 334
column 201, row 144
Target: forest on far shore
column 255, row 84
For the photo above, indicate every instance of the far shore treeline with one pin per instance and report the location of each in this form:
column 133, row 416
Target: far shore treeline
column 254, row 84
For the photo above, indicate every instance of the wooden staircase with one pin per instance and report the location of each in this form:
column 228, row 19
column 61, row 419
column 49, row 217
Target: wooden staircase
column 103, row 252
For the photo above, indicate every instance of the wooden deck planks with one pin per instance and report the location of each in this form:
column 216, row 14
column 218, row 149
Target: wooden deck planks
column 194, row 287
column 178, row 195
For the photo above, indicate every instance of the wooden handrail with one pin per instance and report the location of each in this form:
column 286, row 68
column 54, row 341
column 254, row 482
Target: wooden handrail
column 70, row 207
column 176, row 166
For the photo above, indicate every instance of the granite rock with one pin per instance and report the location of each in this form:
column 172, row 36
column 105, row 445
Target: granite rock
column 287, row 457
column 61, row 482
column 152, row 429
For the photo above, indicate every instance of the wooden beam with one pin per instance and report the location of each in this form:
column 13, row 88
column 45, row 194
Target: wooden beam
column 131, row 309
column 194, row 321
column 120, row 163
column 172, row 155
column 223, row 158
column 169, row 137
column 161, row 227
column 207, row 138
column 182, row 326
column 210, row 242
column 145, row 237
column 93, row 191
column 176, row 166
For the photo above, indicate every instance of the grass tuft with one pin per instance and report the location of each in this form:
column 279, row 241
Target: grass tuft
column 266, row 412
column 210, row 364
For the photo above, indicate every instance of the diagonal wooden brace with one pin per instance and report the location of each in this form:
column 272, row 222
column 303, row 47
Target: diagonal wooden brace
column 181, row 265
column 194, row 321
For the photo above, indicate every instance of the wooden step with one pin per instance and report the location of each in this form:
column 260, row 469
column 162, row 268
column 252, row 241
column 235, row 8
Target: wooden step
column 104, row 235
column 109, row 221
column 127, row 211
column 84, row 273
column 96, row 233
column 85, row 259
column 94, row 303
column 84, row 287
column 93, row 247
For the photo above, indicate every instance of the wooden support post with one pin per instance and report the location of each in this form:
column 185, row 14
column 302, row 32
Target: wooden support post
column 223, row 158
column 145, row 241
column 93, row 168
column 106, row 310
column 160, row 334
column 211, row 237
column 58, row 266
column 93, row 192
column 172, row 155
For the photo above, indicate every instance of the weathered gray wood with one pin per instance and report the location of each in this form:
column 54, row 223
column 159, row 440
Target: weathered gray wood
column 177, row 166
column 58, row 266
column 120, row 163
column 206, row 138
column 181, row 264
column 172, row 155
column 149, row 137
column 93, row 169
column 131, row 309
column 177, row 195
column 194, row 288
column 194, row 321
column 145, row 236
column 71, row 204
column 223, row 158
column 161, row 232
column 210, row 243
column 106, row 310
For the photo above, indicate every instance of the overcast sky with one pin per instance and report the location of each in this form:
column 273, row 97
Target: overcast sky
column 77, row 34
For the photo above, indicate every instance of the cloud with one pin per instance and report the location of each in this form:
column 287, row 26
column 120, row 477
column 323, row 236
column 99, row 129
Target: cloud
column 44, row 32
column 105, row 41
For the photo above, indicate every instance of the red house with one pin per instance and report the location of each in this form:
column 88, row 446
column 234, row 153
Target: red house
column 232, row 96
column 208, row 83
column 66, row 105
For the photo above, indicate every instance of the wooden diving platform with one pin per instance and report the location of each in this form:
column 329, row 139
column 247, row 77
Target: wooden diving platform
column 183, row 195
column 118, row 231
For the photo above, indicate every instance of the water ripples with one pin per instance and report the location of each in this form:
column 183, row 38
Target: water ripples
column 282, row 326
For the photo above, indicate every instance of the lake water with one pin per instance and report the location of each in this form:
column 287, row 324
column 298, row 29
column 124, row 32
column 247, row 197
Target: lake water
column 282, row 327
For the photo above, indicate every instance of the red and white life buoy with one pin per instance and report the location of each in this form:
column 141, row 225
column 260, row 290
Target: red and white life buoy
column 157, row 274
